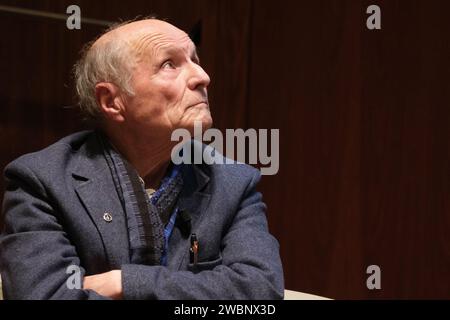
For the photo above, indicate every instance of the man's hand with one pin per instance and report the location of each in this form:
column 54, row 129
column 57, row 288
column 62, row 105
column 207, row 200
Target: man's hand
column 108, row 284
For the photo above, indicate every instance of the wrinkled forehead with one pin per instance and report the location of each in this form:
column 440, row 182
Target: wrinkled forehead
column 153, row 43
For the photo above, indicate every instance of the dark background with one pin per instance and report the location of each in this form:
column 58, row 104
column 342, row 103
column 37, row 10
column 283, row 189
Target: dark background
column 363, row 116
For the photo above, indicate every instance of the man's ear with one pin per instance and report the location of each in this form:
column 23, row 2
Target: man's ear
column 110, row 101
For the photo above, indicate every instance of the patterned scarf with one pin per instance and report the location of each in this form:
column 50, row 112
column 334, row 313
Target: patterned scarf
column 145, row 219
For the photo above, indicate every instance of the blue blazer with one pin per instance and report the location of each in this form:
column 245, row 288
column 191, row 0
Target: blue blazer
column 53, row 217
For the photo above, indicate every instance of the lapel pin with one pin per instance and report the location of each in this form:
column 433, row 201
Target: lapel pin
column 107, row 217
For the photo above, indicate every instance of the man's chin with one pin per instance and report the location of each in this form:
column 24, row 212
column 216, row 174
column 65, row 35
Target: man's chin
column 199, row 125
column 204, row 119
column 207, row 122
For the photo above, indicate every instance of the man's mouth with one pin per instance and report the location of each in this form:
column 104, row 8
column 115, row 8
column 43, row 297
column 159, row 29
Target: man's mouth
column 199, row 103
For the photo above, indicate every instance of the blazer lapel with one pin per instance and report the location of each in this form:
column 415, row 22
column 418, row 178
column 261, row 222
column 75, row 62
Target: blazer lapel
column 195, row 201
column 95, row 187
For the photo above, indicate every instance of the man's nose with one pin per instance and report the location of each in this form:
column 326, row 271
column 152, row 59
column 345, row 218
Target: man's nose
column 198, row 77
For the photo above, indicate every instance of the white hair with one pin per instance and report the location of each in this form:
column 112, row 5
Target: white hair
column 112, row 61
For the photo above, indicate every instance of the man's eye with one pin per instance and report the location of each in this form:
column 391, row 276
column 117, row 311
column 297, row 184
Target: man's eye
column 168, row 65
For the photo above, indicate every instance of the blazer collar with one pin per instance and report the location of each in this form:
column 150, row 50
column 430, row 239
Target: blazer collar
column 95, row 187
column 92, row 165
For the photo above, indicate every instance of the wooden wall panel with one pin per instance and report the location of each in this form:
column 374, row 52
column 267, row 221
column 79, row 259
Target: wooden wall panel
column 305, row 81
column 364, row 127
column 405, row 150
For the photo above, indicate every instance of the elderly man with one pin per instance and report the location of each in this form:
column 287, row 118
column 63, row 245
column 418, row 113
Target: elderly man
column 111, row 203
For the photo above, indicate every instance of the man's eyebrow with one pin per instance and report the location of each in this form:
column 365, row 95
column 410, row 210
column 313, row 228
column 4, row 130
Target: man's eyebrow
column 176, row 50
column 195, row 54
